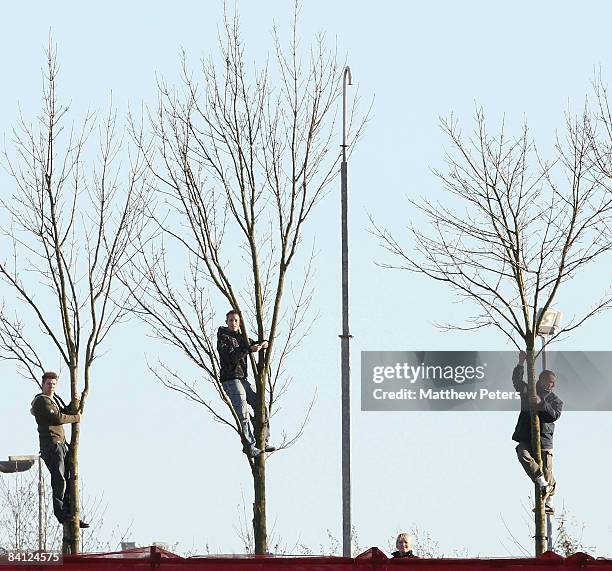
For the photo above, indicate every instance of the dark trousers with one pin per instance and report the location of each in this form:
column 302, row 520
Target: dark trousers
column 523, row 452
column 56, row 458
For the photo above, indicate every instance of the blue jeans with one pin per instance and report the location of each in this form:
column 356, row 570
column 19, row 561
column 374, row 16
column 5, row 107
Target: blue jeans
column 242, row 395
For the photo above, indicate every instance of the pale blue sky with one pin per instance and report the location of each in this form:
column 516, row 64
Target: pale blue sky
column 452, row 474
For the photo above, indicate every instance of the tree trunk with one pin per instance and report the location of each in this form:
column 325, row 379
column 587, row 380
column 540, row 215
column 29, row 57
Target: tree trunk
column 536, row 451
column 260, row 532
column 72, row 533
column 258, row 469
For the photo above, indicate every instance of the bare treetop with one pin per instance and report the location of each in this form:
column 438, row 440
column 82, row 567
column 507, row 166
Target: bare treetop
column 519, row 226
column 71, row 213
column 240, row 155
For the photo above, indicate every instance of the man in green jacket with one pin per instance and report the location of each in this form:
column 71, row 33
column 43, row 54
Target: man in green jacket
column 51, row 413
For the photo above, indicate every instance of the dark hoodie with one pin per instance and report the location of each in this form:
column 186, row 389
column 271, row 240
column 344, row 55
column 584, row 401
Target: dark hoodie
column 549, row 410
column 233, row 352
column 405, row 554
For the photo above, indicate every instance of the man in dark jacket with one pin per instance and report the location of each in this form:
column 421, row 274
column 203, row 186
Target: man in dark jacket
column 51, row 413
column 549, row 407
column 233, row 354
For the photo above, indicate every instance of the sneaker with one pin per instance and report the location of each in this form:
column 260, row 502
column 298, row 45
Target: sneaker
column 548, row 510
column 269, row 448
column 544, row 491
column 254, row 451
column 82, row 524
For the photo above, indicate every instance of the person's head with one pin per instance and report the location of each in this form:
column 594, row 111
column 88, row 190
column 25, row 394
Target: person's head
column 547, row 380
column 232, row 319
column 49, row 382
column 403, row 543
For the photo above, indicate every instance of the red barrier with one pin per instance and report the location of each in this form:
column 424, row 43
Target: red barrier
column 157, row 559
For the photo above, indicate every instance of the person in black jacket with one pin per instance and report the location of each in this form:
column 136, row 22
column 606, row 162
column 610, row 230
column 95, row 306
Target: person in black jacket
column 403, row 543
column 549, row 407
column 233, row 353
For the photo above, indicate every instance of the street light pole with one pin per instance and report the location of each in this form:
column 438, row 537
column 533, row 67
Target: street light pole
column 345, row 339
column 549, row 528
column 549, row 323
column 41, row 491
column 17, row 464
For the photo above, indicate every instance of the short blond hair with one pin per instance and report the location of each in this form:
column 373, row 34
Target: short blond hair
column 406, row 536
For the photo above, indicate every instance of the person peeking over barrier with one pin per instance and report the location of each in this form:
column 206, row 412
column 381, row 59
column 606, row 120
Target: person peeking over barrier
column 403, row 544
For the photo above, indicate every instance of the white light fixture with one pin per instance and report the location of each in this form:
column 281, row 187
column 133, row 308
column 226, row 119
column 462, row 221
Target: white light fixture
column 549, row 322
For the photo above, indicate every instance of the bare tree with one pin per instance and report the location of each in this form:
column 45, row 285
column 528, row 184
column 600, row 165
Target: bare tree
column 66, row 238
column 568, row 539
column 570, row 536
column 19, row 512
column 601, row 127
column 517, row 230
column 19, row 517
column 242, row 158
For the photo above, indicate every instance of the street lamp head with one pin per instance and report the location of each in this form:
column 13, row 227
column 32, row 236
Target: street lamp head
column 549, row 322
column 17, row 464
column 347, row 75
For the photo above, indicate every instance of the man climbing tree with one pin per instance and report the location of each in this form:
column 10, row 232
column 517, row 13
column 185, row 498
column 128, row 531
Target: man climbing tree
column 240, row 157
column 51, row 413
column 547, row 405
column 66, row 223
column 516, row 229
column 233, row 351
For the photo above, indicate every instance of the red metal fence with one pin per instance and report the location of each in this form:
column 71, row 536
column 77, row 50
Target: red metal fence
column 156, row 559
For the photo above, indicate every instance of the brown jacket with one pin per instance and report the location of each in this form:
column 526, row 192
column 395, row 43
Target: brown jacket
column 50, row 414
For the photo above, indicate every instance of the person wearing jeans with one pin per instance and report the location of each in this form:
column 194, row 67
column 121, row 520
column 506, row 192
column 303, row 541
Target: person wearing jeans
column 233, row 353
